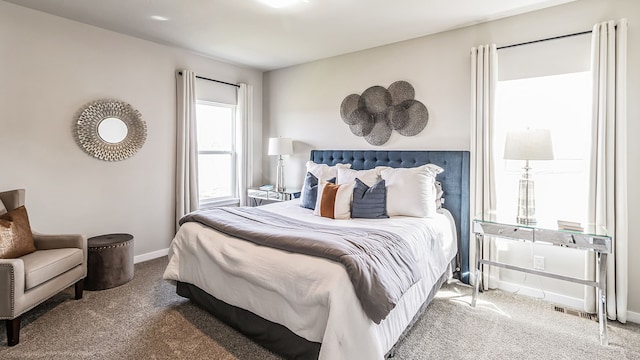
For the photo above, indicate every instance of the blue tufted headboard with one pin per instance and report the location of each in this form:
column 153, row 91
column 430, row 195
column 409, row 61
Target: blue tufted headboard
column 454, row 180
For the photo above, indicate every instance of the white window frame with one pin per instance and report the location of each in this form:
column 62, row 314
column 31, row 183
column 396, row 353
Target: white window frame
column 234, row 198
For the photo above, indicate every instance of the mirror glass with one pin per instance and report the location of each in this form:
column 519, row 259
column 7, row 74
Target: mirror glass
column 112, row 130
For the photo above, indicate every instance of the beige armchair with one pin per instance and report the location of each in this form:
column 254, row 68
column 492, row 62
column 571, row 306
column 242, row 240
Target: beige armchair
column 58, row 262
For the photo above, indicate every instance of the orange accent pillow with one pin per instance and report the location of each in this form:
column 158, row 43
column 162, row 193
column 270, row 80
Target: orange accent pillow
column 334, row 201
column 16, row 238
column 327, row 203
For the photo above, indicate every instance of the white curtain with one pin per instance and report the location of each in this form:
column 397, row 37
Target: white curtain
column 608, row 179
column 243, row 142
column 186, row 145
column 484, row 80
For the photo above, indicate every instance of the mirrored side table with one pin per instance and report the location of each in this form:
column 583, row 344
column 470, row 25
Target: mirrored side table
column 259, row 197
column 594, row 238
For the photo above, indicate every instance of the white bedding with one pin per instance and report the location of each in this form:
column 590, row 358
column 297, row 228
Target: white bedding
column 312, row 297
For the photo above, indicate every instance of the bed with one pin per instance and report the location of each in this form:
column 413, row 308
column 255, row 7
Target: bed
column 305, row 307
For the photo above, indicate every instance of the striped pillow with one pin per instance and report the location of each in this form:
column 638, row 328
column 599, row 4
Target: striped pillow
column 334, row 201
column 369, row 202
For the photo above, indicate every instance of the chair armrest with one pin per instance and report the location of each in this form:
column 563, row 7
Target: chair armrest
column 12, row 284
column 46, row 242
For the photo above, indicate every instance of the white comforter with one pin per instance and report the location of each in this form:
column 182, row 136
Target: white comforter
column 312, row 297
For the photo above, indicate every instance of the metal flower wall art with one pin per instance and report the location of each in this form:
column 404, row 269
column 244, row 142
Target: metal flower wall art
column 378, row 111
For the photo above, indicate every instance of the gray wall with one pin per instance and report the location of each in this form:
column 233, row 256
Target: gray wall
column 49, row 68
column 302, row 102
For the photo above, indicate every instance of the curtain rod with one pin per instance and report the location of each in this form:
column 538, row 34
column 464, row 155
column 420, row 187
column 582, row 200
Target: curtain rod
column 547, row 39
column 218, row 81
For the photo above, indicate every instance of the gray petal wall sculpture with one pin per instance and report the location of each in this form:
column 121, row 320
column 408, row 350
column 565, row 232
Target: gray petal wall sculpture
column 378, row 111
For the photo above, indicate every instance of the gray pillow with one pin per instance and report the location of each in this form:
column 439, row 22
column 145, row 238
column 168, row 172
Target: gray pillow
column 310, row 190
column 3, row 210
column 369, row 202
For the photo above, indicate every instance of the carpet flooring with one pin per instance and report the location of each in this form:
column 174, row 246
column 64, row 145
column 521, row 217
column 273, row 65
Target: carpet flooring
column 145, row 319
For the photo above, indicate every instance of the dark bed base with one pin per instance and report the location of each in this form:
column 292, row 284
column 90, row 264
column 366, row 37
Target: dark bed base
column 270, row 335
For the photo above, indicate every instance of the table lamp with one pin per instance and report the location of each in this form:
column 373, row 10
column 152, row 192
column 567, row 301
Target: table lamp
column 530, row 144
column 280, row 146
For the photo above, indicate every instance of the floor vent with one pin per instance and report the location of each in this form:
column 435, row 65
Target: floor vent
column 582, row 314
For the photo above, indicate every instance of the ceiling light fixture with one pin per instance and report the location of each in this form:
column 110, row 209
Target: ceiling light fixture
column 159, row 18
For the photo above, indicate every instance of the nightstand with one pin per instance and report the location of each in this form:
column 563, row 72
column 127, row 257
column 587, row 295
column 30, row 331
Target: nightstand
column 259, row 197
column 594, row 238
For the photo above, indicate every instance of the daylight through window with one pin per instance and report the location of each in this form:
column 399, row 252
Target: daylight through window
column 561, row 103
column 216, row 151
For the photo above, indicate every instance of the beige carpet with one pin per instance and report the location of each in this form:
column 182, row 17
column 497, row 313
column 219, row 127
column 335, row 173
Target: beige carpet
column 145, row 319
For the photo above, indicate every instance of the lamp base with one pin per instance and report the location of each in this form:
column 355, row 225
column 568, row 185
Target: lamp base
column 526, row 220
column 526, row 198
column 280, row 175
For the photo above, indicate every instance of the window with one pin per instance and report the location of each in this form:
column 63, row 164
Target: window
column 545, row 85
column 216, row 152
column 561, row 103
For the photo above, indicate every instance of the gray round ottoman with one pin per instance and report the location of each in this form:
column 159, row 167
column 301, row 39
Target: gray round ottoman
column 110, row 261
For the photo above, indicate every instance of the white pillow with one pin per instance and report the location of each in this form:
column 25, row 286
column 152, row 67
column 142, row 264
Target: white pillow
column 348, row 176
column 322, row 172
column 433, row 169
column 334, row 208
column 332, row 171
column 411, row 191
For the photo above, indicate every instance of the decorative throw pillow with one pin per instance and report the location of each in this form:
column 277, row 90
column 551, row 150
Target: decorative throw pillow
column 3, row 210
column 322, row 172
column 334, row 201
column 16, row 238
column 369, row 202
column 411, row 191
column 348, row 176
column 310, row 191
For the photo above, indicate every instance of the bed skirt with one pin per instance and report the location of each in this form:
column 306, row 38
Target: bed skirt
column 273, row 336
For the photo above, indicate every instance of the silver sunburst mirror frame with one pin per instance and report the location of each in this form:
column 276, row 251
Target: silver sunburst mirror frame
column 110, row 130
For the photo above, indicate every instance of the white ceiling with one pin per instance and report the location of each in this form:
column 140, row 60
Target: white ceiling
column 254, row 34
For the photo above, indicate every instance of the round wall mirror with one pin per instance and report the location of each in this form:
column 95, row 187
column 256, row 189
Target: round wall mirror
column 110, row 130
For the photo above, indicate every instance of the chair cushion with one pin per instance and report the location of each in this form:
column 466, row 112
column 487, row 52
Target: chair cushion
column 16, row 238
column 43, row 265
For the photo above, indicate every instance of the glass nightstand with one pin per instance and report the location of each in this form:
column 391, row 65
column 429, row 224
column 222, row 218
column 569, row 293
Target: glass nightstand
column 259, row 197
column 594, row 238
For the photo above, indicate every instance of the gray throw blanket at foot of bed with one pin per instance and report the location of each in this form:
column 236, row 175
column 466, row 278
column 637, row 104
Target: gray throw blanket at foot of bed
column 379, row 263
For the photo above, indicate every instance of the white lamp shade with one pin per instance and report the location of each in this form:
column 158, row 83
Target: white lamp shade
column 530, row 144
column 280, row 146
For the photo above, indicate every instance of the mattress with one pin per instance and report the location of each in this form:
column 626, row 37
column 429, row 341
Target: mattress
column 312, row 297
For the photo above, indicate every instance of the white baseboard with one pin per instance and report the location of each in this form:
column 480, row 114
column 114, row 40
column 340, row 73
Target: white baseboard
column 559, row 299
column 633, row 317
column 150, row 256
